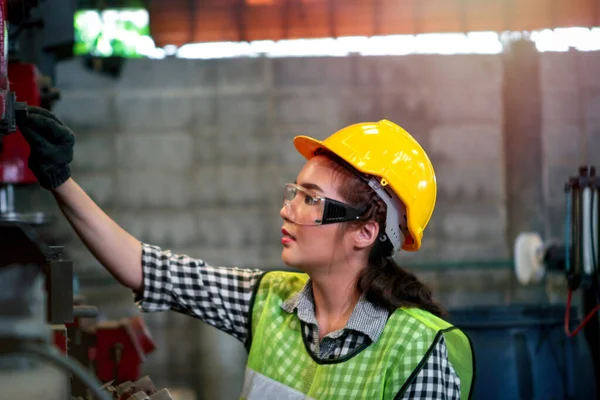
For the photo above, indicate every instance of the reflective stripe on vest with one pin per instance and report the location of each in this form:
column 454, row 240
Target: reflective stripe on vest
column 260, row 387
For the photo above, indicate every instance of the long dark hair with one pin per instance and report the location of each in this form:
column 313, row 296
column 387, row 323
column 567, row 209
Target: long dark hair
column 383, row 282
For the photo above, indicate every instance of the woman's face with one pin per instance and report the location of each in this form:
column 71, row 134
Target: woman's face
column 308, row 247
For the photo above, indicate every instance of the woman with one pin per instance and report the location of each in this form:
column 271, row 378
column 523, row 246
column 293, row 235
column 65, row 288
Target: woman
column 354, row 325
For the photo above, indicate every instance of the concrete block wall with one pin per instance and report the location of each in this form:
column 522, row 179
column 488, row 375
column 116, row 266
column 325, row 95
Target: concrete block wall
column 570, row 126
column 192, row 156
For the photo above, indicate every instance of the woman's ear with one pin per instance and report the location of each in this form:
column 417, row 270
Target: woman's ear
column 366, row 235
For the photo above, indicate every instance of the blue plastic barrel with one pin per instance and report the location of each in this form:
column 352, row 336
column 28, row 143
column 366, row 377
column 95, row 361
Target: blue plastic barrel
column 523, row 353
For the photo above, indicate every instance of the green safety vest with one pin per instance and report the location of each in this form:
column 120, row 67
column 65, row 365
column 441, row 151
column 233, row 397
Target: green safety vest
column 280, row 365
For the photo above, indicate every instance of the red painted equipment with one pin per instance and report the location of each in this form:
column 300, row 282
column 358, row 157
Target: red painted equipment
column 24, row 82
column 121, row 347
column 115, row 350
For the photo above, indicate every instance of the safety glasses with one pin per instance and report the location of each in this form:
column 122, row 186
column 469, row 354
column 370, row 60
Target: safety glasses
column 305, row 207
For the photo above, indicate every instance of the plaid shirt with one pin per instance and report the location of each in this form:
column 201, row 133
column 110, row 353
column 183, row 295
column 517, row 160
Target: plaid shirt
column 221, row 297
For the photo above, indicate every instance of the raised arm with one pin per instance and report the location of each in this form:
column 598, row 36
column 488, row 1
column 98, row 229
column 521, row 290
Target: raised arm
column 51, row 143
column 118, row 251
column 219, row 296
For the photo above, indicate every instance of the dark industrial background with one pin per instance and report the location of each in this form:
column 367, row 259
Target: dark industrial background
column 191, row 155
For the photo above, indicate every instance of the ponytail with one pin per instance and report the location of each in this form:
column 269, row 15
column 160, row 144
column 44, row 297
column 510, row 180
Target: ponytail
column 390, row 286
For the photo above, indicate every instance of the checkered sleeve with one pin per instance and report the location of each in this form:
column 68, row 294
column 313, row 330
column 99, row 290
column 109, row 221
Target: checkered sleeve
column 219, row 296
column 437, row 380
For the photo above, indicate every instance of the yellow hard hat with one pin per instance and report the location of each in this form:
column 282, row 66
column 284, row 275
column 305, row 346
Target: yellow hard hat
column 386, row 151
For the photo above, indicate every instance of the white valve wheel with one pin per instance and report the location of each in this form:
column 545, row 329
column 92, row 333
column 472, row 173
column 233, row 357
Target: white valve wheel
column 529, row 257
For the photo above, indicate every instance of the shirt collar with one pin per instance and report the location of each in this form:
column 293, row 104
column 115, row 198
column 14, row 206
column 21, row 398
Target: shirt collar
column 367, row 318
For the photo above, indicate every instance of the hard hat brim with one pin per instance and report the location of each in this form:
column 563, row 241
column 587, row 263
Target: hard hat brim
column 308, row 146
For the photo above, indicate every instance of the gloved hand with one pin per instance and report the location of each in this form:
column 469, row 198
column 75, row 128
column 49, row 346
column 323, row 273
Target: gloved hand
column 51, row 145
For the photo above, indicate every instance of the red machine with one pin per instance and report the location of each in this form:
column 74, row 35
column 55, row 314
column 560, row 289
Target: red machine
column 121, row 347
column 24, row 81
column 113, row 350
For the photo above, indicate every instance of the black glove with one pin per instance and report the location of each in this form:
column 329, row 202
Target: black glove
column 51, row 145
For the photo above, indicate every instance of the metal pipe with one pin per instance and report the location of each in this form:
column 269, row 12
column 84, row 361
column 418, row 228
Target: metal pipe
column 7, row 199
column 582, row 193
column 3, row 200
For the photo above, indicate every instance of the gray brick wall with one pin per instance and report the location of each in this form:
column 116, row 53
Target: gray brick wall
column 570, row 126
column 192, row 155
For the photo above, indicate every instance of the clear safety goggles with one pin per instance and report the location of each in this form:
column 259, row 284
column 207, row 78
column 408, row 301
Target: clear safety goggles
column 304, row 207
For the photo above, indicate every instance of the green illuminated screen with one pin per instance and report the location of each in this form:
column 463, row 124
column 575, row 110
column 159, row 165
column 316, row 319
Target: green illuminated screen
column 113, row 33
